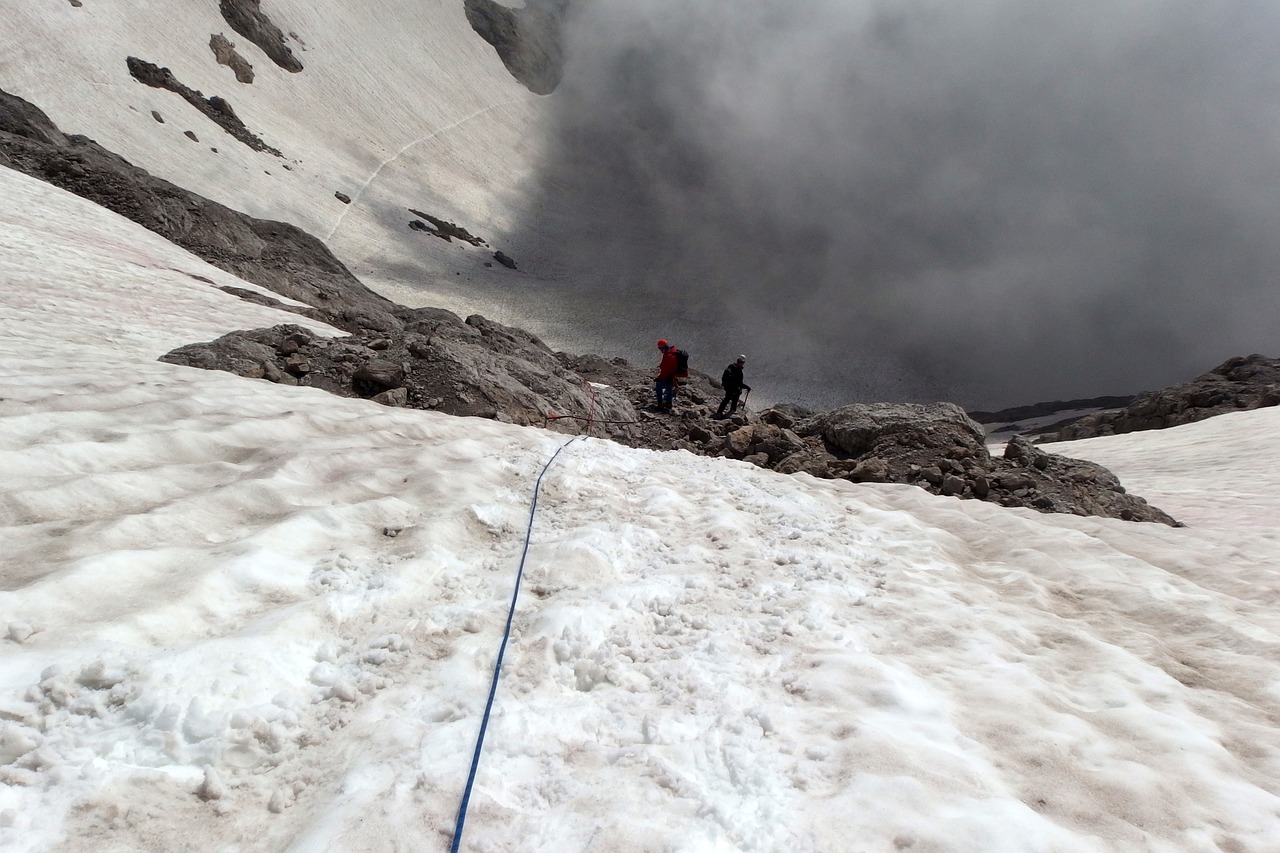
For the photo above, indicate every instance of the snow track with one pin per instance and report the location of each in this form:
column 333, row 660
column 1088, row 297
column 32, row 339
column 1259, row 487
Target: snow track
column 372, row 177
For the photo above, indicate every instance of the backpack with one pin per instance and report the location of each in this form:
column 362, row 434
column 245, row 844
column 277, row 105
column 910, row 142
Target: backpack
column 682, row 364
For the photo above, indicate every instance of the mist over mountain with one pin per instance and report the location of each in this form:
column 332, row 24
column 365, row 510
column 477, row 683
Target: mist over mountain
column 989, row 202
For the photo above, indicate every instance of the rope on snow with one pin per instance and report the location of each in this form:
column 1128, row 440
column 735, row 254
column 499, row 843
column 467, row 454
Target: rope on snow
column 502, row 650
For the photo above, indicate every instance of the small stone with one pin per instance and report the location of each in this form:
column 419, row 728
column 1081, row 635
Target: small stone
column 272, row 373
column 873, row 470
column 393, row 397
column 981, row 487
column 932, row 475
column 699, row 433
column 297, row 364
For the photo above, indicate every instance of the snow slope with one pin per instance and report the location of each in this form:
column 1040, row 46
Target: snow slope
column 454, row 134
column 211, row 641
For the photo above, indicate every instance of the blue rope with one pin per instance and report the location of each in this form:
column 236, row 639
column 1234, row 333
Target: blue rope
column 502, row 650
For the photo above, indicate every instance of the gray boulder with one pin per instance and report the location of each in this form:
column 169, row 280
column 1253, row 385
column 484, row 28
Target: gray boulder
column 474, row 367
column 900, row 434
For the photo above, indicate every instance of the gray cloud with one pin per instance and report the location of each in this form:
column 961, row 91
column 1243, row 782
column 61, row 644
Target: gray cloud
column 994, row 202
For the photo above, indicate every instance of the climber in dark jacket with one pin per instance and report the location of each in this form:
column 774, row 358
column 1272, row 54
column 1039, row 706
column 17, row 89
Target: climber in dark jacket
column 733, row 387
column 664, row 385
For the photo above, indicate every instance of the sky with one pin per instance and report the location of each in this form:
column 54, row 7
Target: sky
column 991, row 202
column 211, row 640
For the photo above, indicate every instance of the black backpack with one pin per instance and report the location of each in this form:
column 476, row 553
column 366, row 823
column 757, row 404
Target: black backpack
column 682, row 363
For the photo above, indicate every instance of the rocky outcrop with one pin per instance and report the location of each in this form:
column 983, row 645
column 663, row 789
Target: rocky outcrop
column 23, row 119
column 936, row 447
column 1028, row 476
column 225, row 53
column 900, row 434
column 247, row 18
column 1040, row 410
column 419, row 358
column 442, row 228
column 430, row 359
column 1238, row 384
column 527, row 39
column 276, row 255
column 217, row 109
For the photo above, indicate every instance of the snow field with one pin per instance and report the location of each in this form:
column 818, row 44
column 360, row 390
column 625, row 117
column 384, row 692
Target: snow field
column 212, row 641
column 451, row 136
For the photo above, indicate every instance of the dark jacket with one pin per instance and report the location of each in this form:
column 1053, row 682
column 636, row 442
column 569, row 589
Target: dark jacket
column 732, row 379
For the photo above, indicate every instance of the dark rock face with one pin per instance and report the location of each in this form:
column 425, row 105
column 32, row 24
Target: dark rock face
column 504, row 259
column 225, row 53
column 1241, row 383
column 24, row 119
column 215, row 108
column 275, row 255
column 527, row 40
column 419, row 358
column 247, row 18
column 445, row 230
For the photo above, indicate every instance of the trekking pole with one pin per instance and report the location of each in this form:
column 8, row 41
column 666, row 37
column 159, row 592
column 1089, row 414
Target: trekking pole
column 745, row 399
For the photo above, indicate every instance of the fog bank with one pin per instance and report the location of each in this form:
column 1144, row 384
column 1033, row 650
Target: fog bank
column 992, row 202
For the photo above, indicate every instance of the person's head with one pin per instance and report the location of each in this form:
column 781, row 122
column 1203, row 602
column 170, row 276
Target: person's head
column 742, row 359
column 663, row 345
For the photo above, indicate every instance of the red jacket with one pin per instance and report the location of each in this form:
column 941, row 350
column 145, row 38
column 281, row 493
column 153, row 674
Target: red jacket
column 667, row 367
